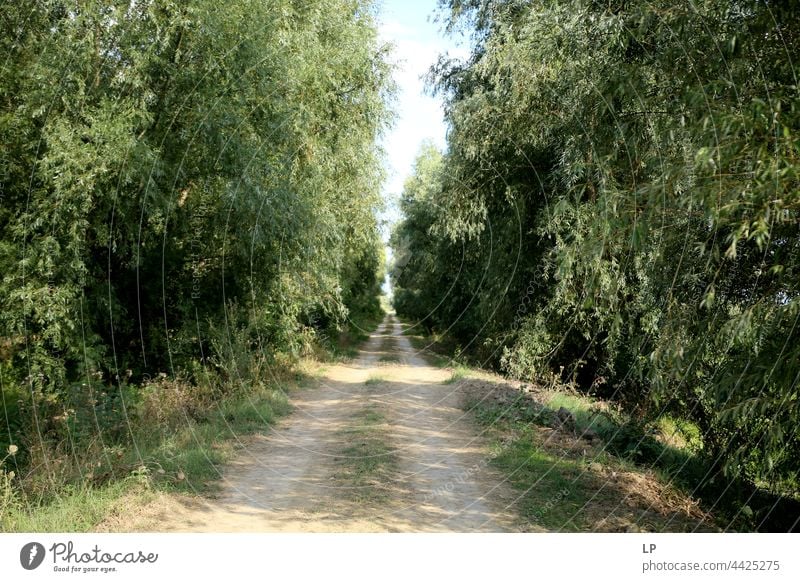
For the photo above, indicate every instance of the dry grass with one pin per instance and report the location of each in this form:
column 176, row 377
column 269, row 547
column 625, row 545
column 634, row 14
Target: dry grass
column 569, row 482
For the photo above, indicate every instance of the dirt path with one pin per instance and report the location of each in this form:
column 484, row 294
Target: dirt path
column 434, row 475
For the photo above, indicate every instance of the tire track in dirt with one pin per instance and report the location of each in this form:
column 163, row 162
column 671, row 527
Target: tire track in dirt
column 285, row 480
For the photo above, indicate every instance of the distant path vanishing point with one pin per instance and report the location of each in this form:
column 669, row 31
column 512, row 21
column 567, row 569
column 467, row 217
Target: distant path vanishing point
column 436, row 475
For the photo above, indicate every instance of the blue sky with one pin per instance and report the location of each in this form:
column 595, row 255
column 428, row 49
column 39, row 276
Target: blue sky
column 418, row 41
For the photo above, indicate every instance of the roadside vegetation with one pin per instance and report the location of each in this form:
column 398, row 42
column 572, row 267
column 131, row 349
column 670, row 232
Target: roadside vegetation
column 573, row 456
column 189, row 195
column 553, row 443
column 547, row 434
column 617, row 212
column 367, row 464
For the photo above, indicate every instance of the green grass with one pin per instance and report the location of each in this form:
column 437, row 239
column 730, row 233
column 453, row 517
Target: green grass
column 74, row 510
column 668, row 446
column 199, row 449
column 428, row 345
column 556, row 485
column 680, row 434
column 366, row 465
column 374, row 379
column 554, row 490
column 187, row 460
column 583, row 408
column 459, row 372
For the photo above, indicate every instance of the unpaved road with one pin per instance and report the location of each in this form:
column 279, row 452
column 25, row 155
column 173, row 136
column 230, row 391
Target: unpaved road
column 286, row 480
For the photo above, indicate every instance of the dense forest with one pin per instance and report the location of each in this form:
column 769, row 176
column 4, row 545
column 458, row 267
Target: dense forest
column 188, row 201
column 618, row 209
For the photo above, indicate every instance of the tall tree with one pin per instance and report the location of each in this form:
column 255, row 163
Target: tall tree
column 645, row 155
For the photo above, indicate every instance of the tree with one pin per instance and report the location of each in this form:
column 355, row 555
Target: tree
column 641, row 161
column 173, row 169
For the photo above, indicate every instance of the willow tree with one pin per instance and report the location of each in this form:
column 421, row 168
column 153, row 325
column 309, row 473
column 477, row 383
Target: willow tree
column 649, row 154
column 174, row 168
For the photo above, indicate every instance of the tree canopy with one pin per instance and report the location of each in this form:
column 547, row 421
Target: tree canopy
column 621, row 191
column 179, row 179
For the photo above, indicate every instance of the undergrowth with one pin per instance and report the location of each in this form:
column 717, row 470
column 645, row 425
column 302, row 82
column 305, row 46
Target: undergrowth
column 366, row 466
column 170, row 434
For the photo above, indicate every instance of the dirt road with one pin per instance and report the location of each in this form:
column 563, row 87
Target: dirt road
column 423, row 466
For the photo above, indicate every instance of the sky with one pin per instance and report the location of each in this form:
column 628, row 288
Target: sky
column 418, row 41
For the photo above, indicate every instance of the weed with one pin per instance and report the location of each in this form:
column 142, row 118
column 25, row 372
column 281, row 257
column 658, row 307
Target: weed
column 459, row 372
column 182, row 456
column 367, row 465
column 543, row 459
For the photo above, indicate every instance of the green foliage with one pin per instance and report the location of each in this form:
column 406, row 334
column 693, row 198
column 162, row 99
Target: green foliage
column 619, row 206
column 559, row 488
column 366, row 467
column 188, row 189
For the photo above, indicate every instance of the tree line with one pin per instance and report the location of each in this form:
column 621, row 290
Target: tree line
column 187, row 186
column 618, row 207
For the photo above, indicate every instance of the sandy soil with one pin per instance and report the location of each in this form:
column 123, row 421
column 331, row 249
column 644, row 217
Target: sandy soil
column 285, row 480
